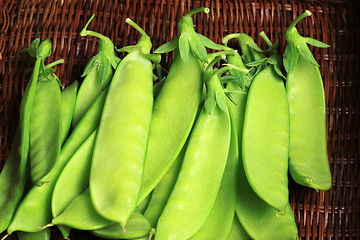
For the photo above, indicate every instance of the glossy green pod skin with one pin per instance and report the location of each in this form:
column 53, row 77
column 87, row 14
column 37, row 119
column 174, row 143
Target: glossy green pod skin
column 308, row 162
column 45, row 129
column 73, row 180
column 13, row 176
column 122, row 138
column 162, row 191
column 41, row 235
column 237, row 232
column 80, row 214
column 259, row 219
column 223, row 210
column 265, row 138
column 35, row 209
column 144, row 204
column 137, row 227
column 98, row 74
column 68, row 99
column 199, row 179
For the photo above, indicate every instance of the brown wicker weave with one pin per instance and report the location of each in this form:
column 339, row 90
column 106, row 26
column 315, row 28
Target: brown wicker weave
column 333, row 214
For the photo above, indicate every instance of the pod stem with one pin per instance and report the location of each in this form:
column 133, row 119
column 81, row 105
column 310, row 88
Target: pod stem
column 227, row 38
column 137, row 27
column 305, row 14
column 50, row 65
column 84, row 32
column 46, row 226
column 7, row 235
column 196, row 10
column 266, row 39
column 215, row 60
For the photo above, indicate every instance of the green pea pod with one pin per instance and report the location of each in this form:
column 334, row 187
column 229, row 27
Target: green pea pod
column 68, row 98
column 144, row 204
column 237, row 232
column 265, row 139
column 162, row 191
column 308, row 164
column 98, row 72
column 123, row 133
column 35, row 209
column 41, row 235
column 136, row 227
column 13, row 176
column 259, row 219
column 80, row 214
column 205, row 158
column 175, row 107
column 73, row 180
column 45, row 129
column 223, row 210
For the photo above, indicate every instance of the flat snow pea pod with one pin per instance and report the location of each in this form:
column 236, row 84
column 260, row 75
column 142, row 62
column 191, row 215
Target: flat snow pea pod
column 98, row 73
column 237, row 232
column 200, row 176
column 73, row 180
column 45, row 128
column 13, row 176
column 162, row 191
column 34, row 210
column 176, row 106
column 144, row 204
column 308, row 164
column 68, row 98
column 122, row 138
column 136, row 227
column 41, row 235
column 223, row 210
column 80, row 214
column 265, row 138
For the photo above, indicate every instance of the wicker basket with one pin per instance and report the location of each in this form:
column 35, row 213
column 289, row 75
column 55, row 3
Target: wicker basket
column 333, row 214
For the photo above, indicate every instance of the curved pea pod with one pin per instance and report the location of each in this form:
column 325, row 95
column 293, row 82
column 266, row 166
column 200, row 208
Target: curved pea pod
column 162, row 191
column 200, row 176
column 68, row 98
column 308, row 164
column 34, row 210
column 122, row 137
column 41, row 235
column 259, row 219
column 237, row 232
column 80, row 214
column 223, row 210
column 98, row 74
column 73, row 180
column 45, row 129
column 136, row 227
column 13, row 176
column 144, row 204
column 265, row 139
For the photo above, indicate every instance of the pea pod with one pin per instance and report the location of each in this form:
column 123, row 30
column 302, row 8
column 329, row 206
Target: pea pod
column 68, row 98
column 123, row 133
column 223, row 210
column 38, row 199
column 73, row 180
column 137, row 227
column 178, row 101
column 98, row 74
column 237, row 232
column 199, row 179
column 42, row 235
column 308, row 164
column 13, row 175
column 45, row 128
column 80, row 214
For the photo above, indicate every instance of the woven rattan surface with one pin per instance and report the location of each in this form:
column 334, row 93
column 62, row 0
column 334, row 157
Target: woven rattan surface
column 333, row 214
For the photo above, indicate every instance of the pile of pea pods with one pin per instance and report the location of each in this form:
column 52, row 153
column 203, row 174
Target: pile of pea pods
column 201, row 152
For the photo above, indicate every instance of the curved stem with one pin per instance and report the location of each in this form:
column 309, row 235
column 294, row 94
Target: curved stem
column 227, row 38
column 50, row 65
column 299, row 18
column 5, row 236
column 137, row 27
column 215, row 60
column 84, row 32
column 200, row 9
column 266, row 39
